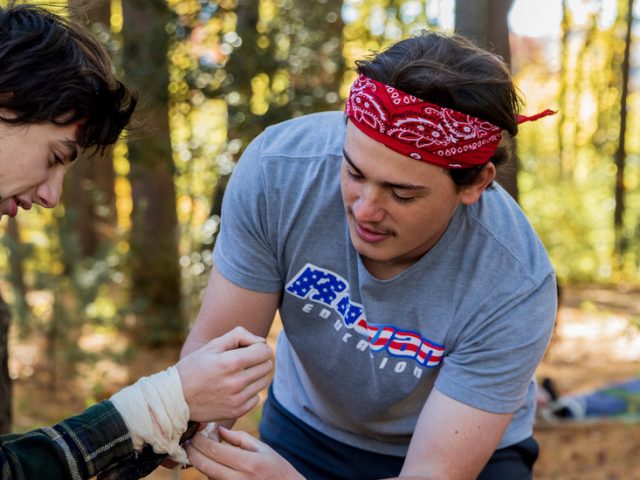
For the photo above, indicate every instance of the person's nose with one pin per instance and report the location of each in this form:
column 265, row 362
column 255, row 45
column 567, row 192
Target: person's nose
column 368, row 208
column 48, row 193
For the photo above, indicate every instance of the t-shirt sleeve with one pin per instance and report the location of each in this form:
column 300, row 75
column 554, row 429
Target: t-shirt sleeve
column 492, row 366
column 245, row 250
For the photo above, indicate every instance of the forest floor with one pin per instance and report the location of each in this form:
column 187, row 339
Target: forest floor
column 597, row 341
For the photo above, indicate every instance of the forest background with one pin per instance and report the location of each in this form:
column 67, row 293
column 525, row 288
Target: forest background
column 114, row 276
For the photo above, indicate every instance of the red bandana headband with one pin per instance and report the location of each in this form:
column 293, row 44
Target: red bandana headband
column 422, row 130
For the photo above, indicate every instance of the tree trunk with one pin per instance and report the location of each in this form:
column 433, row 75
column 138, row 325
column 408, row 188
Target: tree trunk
column 563, row 93
column 240, row 71
column 485, row 22
column 88, row 193
column 154, row 248
column 16, row 268
column 621, row 153
column 5, row 379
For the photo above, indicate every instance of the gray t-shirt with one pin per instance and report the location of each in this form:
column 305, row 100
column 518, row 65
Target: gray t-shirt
column 358, row 355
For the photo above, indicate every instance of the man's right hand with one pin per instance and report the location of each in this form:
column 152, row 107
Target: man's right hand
column 222, row 379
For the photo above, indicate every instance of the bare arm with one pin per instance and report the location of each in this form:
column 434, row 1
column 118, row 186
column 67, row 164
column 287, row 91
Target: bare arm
column 452, row 440
column 225, row 306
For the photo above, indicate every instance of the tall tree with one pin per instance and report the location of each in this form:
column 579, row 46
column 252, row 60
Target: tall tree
column 155, row 274
column 485, row 22
column 5, row 379
column 563, row 93
column 16, row 267
column 582, row 73
column 88, row 194
column 241, row 125
column 621, row 152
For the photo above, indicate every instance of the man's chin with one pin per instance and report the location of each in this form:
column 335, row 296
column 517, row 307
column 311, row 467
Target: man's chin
column 368, row 251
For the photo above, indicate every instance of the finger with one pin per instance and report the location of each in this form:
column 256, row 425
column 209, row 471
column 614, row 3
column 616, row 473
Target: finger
column 254, row 388
column 251, row 355
column 249, row 396
column 256, row 372
column 236, row 457
column 206, row 465
column 247, row 406
column 238, row 337
column 240, row 439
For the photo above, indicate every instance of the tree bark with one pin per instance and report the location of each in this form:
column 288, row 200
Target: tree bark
column 5, row 379
column 621, row 152
column 485, row 23
column 155, row 273
column 88, row 193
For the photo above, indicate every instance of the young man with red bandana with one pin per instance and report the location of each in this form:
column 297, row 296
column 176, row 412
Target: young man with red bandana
column 415, row 297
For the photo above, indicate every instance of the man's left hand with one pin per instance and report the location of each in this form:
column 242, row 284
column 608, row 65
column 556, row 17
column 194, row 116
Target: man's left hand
column 242, row 457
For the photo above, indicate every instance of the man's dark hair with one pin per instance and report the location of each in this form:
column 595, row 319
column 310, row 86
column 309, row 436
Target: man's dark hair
column 451, row 72
column 51, row 70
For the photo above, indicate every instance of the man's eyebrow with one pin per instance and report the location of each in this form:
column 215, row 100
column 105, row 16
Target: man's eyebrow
column 350, row 162
column 402, row 186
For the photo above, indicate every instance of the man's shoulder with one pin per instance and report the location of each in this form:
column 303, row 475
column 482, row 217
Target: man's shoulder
column 310, row 135
column 505, row 226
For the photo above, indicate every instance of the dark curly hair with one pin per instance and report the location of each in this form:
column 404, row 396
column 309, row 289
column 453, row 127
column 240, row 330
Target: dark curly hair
column 52, row 70
column 452, row 72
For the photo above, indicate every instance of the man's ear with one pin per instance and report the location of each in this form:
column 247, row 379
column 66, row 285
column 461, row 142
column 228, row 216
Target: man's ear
column 470, row 194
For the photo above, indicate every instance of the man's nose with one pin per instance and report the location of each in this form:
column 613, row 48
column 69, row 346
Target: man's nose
column 368, row 207
column 48, row 193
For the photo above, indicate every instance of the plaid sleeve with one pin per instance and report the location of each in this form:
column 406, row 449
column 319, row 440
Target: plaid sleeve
column 77, row 448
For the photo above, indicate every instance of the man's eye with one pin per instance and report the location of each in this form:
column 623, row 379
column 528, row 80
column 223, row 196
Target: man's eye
column 401, row 198
column 353, row 174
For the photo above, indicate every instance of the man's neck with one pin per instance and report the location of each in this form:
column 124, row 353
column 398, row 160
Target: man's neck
column 386, row 270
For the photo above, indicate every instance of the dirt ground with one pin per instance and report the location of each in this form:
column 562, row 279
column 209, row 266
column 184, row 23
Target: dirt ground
column 597, row 341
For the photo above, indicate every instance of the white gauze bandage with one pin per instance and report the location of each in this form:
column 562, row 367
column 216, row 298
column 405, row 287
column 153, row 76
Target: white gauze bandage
column 156, row 413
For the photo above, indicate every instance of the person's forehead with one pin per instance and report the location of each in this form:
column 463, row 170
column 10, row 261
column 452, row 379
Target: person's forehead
column 364, row 149
column 385, row 164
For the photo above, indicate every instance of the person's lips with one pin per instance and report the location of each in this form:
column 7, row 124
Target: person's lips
column 23, row 203
column 370, row 235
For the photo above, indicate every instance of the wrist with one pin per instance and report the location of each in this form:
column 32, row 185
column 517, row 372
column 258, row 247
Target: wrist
column 155, row 412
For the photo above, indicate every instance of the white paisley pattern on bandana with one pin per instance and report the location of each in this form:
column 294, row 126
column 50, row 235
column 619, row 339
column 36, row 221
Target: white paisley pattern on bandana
column 419, row 129
column 364, row 107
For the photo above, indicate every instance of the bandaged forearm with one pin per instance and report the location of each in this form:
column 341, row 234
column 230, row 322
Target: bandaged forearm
column 156, row 413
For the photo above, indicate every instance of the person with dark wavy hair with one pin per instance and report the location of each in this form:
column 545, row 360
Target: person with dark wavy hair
column 58, row 97
column 58, row 94
column 416, row 298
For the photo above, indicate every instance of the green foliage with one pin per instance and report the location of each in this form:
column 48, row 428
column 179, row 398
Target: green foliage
column 568, row 172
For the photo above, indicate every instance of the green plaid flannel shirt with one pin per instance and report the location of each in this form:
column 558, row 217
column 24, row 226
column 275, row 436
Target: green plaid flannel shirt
column 96, row 442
